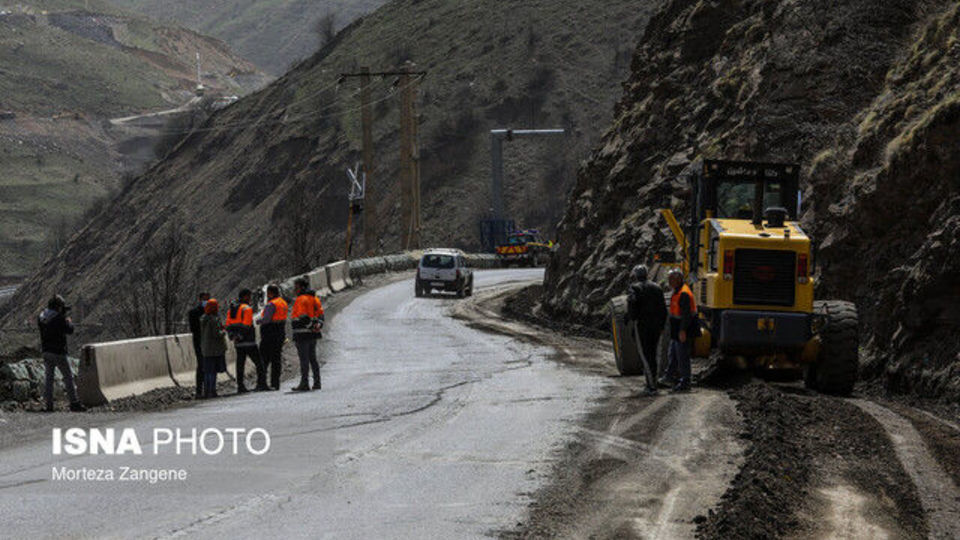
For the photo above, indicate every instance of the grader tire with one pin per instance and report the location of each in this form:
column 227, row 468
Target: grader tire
column 625, row 351
column 836, row 370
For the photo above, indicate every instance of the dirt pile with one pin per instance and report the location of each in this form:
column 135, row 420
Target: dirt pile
column 273, row 164
column 862, row 94
column 800, row 445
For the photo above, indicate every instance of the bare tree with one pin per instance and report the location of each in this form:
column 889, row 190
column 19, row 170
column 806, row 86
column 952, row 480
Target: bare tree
column 298, row 230
column 154, row 295
column 326, row 28
column 58, row 235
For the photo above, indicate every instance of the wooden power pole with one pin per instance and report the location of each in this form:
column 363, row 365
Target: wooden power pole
column 410, row 162
column 370, row 239
column 409, row 158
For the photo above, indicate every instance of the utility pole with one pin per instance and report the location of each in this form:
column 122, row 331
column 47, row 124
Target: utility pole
column 370, row 239
column 409, row 156
column 410, row 162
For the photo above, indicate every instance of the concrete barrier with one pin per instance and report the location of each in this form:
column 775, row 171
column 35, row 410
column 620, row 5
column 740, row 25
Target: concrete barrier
column 114, row 370
column 376, row 265
column 119, row 369
column 337, row 275
column 482, row 260
column 399, row 263
column 319, row 282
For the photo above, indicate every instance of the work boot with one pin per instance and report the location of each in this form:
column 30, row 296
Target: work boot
column 77, row 407
column 261, row 388
column 649, row 392
column 316, row 384
column 303, row 387
column 241, row 389
column 665, row 382
column 681, row 387
column 48, row 408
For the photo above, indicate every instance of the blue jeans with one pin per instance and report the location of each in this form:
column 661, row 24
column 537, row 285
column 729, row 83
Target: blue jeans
column 52, row 361
column 210, row 375
column 678, row 367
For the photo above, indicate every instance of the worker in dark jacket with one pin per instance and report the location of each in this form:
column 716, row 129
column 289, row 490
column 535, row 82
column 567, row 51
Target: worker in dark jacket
column 684, row 329
column 241, row 331
column 646, row 315
column 55, row 326
column 193, row 316
column 213, row 347
column 273, row 332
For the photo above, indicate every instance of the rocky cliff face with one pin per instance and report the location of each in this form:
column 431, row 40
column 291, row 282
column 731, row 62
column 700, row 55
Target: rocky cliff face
column 862, row 93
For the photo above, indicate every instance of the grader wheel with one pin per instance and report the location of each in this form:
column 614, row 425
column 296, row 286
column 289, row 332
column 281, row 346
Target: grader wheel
column 835, row 371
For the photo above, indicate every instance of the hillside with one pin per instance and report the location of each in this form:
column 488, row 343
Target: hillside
column 65, row 71
column 235, row 189
column 274, row 34
column 863, row 94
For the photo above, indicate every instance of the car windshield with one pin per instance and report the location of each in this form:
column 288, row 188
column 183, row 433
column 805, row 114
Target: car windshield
column 438, row 261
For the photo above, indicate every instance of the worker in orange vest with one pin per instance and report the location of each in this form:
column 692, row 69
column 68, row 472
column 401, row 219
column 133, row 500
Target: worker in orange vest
column 273, row 332
column 306, row 320
column 684, row 328
column 240, row 329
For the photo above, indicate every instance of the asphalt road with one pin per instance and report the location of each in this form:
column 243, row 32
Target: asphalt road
column 425, row 428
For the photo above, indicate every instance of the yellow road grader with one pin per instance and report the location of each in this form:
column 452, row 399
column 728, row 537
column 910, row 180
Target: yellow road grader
column 752, row 269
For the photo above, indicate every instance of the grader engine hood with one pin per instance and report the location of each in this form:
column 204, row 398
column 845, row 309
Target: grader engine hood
column 756, row 266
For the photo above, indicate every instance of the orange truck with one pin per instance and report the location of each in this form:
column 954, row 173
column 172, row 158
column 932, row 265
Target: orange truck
column 524, row 248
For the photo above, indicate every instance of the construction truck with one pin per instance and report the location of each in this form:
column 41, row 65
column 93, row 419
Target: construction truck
column 752, row 269
column 524, row 248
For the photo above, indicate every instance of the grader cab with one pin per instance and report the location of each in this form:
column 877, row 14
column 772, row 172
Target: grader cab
column 752, row 269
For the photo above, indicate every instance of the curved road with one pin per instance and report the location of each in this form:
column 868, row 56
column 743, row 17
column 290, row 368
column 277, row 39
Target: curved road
column 425, row 428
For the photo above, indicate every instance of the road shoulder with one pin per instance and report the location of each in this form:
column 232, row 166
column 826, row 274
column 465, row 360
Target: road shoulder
column 638, row 467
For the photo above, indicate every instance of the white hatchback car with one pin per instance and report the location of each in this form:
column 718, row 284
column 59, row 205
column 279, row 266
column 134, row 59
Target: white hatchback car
column 444, row 270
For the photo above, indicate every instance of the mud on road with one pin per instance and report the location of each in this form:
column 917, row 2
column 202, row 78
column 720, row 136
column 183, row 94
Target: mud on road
column 770, row 460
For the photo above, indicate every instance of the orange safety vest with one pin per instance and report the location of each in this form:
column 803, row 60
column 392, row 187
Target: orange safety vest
column 244, row 316
column 279, row 310
column 675, row 301
column 307, row 304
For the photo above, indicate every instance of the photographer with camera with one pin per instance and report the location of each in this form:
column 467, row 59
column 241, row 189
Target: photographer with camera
column 54, row 328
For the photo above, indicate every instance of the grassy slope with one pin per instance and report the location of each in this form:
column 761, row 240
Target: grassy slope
column 271, row 33
column 546, row 63
column 52, row 64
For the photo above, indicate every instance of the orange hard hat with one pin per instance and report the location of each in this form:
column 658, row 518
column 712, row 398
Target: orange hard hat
column 211, row 306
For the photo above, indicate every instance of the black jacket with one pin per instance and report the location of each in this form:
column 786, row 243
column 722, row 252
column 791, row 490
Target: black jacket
column 193, row 316
column 54, row 328
column 645, row 305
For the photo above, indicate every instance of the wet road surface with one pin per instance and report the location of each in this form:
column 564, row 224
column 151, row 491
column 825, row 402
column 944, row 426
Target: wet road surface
column 424, row 428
